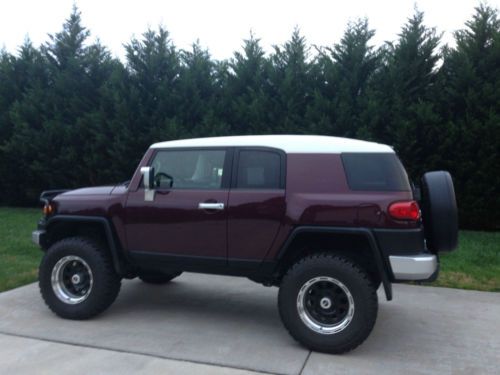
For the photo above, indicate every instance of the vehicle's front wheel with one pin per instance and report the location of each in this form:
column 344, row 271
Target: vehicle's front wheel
column 77, row 279
column 328, row 303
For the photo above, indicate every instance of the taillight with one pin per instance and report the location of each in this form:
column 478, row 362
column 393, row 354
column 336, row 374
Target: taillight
column 407, row 210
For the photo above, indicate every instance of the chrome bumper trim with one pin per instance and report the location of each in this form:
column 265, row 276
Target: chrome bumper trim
column 416, row 267
column 36, row 236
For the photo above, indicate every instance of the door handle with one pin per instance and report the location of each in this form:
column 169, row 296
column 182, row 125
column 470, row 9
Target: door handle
column 210, row 206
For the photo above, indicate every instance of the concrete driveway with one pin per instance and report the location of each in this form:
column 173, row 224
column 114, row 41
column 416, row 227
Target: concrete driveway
column 224, row 325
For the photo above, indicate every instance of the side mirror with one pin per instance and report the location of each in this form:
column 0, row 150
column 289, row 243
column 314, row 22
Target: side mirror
column 148, row 175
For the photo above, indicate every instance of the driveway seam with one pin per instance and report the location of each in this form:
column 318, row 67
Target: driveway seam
column 124, row 351
column 305, row 362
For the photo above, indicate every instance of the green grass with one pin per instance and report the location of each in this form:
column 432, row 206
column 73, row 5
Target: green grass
column 19, row 257
column 475, row 265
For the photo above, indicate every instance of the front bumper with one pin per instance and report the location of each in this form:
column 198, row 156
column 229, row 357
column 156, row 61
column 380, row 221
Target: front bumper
column 413, row 267
column 38, row 237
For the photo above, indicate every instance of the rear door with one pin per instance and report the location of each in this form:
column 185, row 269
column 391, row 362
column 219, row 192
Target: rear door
column 256, row 203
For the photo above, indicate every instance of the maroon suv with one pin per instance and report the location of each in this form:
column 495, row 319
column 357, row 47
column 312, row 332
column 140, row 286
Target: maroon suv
column 326, row 219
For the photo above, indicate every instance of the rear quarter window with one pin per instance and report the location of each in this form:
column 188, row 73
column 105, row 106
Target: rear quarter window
column 375, row 172
column 258, row 169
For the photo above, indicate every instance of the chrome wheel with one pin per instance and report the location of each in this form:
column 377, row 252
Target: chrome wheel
column 325, row 305
column 72, row 279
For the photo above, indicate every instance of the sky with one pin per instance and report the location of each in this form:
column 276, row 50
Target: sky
column 222, row 25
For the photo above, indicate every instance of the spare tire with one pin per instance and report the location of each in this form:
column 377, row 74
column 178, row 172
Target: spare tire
column 439, row 211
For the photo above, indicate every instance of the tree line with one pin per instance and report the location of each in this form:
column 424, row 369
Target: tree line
column 71, row 114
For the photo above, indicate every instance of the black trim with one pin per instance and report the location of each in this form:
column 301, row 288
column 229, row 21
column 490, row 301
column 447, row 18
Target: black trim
column 153, row 260
column 228, row 168
column 258, row 270
column 380, row 261
column 401, row 241
column 108, row 230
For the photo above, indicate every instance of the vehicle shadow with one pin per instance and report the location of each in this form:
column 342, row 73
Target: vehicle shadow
column 188, row 300
column 189, row 303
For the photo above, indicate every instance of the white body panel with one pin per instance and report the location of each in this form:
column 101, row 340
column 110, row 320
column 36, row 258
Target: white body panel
column 291, row 144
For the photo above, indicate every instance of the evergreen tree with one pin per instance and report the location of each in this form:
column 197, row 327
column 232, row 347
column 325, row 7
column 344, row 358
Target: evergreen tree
column 150, row 95
column 471, row 74
column 404, row 91
column 24, row 81
column 290, row 92
column 248, row 90
column 53, row 122
column 198, row 94
column 346, row 70
column 72, row 115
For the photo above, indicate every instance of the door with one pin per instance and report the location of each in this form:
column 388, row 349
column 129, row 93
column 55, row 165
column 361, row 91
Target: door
column 256, row 203
column 188, row 214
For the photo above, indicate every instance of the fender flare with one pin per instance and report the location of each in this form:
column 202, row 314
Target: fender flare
column 380, row 263
column 111, row 240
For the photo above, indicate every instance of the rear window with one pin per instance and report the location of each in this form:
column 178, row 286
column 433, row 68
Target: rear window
column 375, row 172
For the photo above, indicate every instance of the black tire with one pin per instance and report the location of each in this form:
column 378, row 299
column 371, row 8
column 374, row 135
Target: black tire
column 439, row 211
column 157, row 277
column 102, row 291
column 344, row 272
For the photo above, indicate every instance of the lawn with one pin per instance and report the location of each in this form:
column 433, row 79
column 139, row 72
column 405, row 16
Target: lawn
column 19, row 257
column 475, row 265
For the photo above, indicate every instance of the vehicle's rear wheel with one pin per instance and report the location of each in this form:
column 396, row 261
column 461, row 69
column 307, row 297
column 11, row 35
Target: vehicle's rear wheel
column 157, row 277
column 439, row 211
column 77, row 279
column 328, row 303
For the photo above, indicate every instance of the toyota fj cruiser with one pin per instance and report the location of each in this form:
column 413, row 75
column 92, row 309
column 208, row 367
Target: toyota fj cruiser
column 327, row 220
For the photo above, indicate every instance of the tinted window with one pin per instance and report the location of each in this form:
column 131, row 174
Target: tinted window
column 258, row 170
column 193, row 169
column 375, row 172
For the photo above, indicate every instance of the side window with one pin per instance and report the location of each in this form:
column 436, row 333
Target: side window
column 189, row 169
column 258, row 170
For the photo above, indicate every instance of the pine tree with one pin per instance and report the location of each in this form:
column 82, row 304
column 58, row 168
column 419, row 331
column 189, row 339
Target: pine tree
column 404, row 90
column 290, row 91
column 471, row 74
column 55, row 122
column 247, row 90
column 198, row 94
column 72, row 115
column 151, row 92
column 346, row 70
column 24, row 82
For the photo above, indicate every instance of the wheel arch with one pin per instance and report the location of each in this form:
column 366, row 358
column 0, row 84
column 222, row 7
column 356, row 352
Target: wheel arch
column 358, row 244
column 96, row 228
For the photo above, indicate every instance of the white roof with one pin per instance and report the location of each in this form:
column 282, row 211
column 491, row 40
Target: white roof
column 291, row 144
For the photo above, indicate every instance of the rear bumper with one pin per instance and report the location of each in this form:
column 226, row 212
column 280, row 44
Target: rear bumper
column 413, row 267
column 406, row 254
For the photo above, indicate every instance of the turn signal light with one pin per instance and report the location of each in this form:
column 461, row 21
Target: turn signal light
column 48, row 209
column 407, row 210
